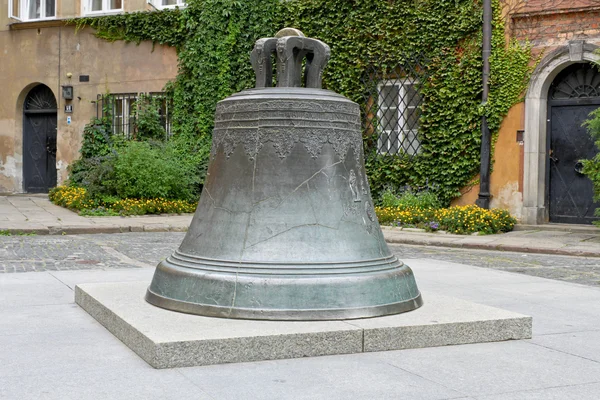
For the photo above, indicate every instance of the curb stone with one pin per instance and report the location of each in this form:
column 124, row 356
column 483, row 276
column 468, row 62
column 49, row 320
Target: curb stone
column 91, row 229
column 391, row 235
column 495, row 247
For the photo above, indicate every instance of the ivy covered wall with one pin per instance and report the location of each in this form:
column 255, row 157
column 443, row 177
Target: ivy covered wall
column 214, row 38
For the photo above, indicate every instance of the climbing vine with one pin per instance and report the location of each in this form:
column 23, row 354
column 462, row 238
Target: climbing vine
column 165, row 27
column 214, row 37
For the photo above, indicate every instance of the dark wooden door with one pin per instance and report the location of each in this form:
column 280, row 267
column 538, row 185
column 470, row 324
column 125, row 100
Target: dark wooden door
column 573, row 95
column 571, row 192
column 39, row 140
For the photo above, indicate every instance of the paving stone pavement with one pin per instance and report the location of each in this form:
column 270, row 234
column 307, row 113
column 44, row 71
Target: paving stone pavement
column 51, row 349
column 583, row 270
column 35, row 214
column 84, row 252
column 135, row 250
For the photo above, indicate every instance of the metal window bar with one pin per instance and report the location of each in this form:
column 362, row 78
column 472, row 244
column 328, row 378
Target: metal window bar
column 392, row 107
column 121, row 109
column 166, row 105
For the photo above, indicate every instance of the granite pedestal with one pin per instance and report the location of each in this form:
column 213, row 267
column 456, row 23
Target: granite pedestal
column 167, row 339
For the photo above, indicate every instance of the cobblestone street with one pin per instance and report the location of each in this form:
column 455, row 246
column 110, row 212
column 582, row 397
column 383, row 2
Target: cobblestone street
column 583, row 270
column 136, row 250
column 78, row 252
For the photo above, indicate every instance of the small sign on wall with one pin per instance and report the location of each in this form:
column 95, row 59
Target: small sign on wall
column 69, row 108
column 69, row 120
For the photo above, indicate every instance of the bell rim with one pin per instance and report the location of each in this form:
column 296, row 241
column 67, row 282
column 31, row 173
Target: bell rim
column 336, row 314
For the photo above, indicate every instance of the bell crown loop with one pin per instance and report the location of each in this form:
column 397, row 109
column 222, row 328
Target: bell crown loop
column 291, row 48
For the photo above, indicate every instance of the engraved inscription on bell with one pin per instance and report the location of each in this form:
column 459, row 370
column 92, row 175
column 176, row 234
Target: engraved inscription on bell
column 285, row 228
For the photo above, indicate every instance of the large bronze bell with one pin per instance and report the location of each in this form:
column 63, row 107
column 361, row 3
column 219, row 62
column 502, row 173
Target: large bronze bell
column 285, row 228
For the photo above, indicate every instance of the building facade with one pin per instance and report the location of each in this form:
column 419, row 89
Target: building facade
column 537, row 169
column 51, row 77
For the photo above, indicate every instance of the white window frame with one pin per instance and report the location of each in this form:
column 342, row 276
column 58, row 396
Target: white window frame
column 387, row 146
column 157, row 4
column 86, row 6
column 24, row 11
column 11, row 12
column 123, row 119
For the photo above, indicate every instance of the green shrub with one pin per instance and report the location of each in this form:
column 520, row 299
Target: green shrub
column 591, row 168
column 96, row 138
column 94, row 174
column 408, row 198
column 146, row 114
column 145, row 171
column 193, row 152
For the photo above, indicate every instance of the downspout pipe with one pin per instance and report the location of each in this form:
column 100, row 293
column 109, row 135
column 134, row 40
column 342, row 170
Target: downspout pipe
column 483, row 200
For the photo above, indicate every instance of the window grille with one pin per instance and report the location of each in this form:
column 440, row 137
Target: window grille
column 392, row 105
column 398, row 115
column 122, row 109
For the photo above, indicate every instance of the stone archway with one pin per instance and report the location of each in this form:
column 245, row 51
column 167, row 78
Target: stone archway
column 535, row 171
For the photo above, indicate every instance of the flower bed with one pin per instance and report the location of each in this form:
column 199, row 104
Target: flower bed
column 461, row 220
column 78, row 199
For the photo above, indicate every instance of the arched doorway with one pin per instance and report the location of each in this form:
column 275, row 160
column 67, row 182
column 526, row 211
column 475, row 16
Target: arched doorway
column 573, row 95
column 39, row 140
column 536, row 161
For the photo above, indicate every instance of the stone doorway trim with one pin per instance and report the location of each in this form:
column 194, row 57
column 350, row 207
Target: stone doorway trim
column 535, row 207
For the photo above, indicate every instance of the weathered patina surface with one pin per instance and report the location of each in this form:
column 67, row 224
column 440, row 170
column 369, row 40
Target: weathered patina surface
column 285, row 228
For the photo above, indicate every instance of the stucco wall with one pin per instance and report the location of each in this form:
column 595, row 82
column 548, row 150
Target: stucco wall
column 507, row 169
column 46, row 55
column 72, row 9
column 547, row 27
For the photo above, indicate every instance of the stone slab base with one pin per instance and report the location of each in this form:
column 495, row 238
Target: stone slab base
column 167, row 339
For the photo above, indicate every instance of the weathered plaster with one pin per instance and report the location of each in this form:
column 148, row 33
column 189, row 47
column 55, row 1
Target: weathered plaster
column 504, row 180
column 509, row 198
column 45, row 56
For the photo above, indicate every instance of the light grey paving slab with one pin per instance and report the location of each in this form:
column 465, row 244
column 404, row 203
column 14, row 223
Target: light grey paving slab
column 38, row 288
column 495, row 368
column 466, row 275
column 72, row 278
column 168, row 339
column 558, row 306
column 45, row 320
column 571, row 392
column 103, row 384
column 443, row 321
column 583, row 344
column 69, row 351
column 356, row 377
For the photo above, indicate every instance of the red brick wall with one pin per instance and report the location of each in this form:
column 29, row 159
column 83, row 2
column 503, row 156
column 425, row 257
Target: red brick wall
column 550, row 28
column 526, row 6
